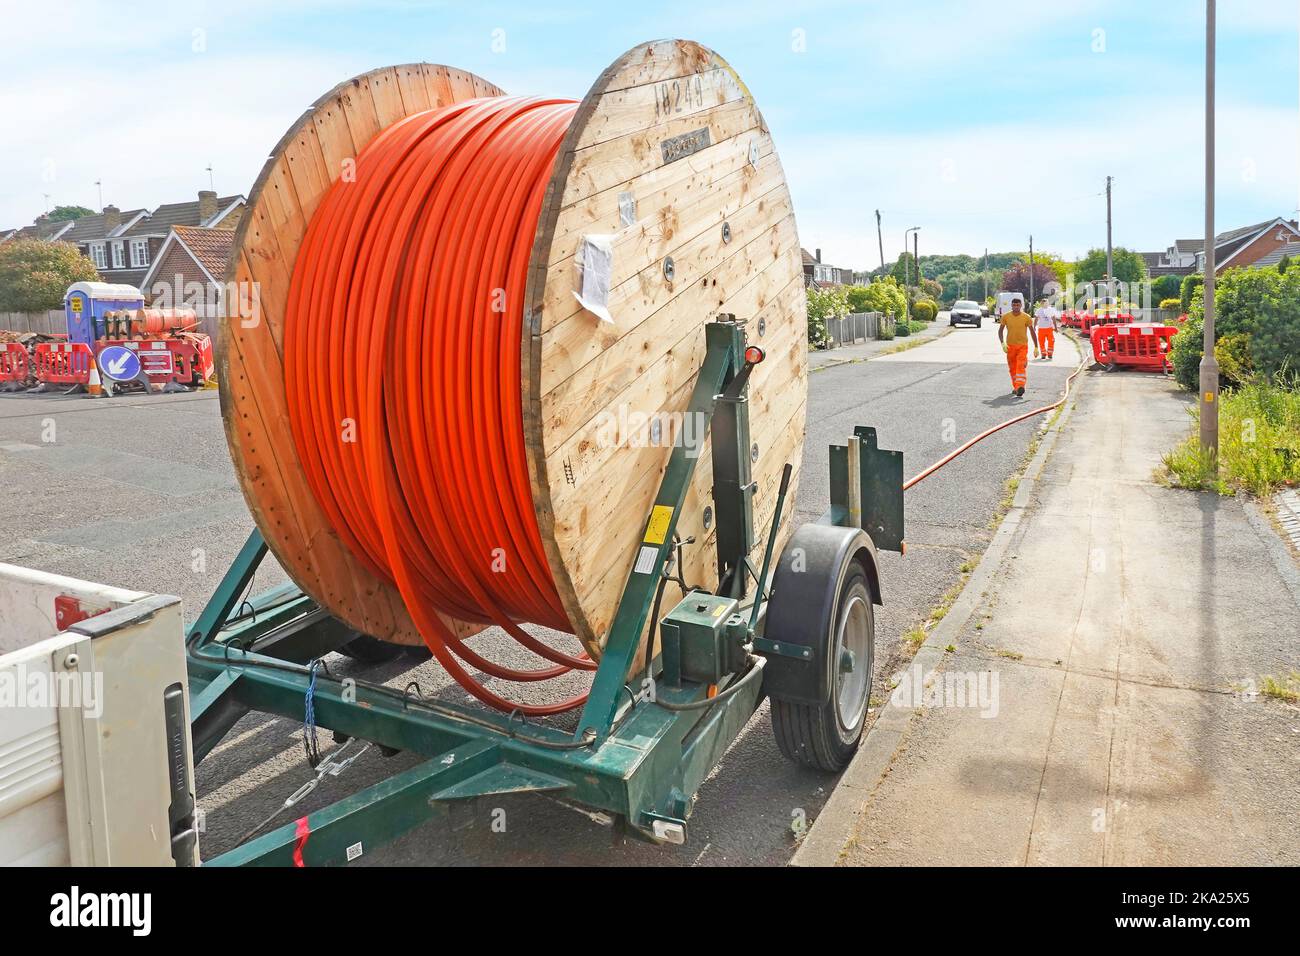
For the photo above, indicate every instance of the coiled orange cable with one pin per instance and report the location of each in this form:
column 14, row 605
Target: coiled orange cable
column 401, row 360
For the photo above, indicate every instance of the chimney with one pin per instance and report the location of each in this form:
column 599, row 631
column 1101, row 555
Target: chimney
column 207, row 205
column 112, row 218
column 818, row 256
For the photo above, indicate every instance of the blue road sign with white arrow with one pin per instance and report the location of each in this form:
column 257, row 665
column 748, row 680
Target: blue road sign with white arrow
column 119, row 363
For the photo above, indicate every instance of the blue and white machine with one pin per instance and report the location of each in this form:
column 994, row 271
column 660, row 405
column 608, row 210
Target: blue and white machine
column 86, row 302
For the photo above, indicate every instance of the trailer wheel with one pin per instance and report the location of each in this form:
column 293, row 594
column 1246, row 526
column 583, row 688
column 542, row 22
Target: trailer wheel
column 371, row 650
column 824, row 736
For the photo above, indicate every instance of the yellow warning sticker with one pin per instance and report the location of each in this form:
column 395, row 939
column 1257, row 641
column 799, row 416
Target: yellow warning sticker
column 656, row 530
column 76, row 304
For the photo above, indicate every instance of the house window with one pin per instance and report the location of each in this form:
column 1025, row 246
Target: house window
column 119, row 256
column 98, row 255
column 139, row 253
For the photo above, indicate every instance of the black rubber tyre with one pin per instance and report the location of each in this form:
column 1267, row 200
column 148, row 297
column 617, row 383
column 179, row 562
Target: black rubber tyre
column 979, row 324
column 825, row 736
column 371, row 650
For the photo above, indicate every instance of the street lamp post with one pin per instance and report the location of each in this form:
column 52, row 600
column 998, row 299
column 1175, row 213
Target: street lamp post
column 1209, row 367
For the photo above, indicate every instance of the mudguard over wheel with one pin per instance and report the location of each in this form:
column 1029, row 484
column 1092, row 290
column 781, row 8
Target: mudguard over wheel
column 820, row 632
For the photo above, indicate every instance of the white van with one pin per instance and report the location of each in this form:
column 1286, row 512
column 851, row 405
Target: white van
column 1003, row 303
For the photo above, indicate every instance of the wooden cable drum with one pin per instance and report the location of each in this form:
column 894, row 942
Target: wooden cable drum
column 669, row 158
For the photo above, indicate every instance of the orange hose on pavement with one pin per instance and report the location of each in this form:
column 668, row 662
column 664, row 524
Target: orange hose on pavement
column 401, row 360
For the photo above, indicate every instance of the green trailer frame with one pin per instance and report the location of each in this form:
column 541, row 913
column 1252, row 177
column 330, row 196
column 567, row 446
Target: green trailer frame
column 633, row 754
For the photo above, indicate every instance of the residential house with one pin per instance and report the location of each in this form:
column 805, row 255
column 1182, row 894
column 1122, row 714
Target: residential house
column 124, row 244
column 816, row 272
column 1244, row 246
column 51, row 230
column 1290, row 249
column 190, row 266
column 124, row 252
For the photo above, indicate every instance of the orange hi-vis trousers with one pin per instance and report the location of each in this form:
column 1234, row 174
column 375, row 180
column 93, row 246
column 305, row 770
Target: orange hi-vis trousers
column 1047, row 341
column 1017, row 358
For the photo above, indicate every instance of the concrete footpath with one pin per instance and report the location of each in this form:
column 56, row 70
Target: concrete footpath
column 1103, row 701
column 861, row 351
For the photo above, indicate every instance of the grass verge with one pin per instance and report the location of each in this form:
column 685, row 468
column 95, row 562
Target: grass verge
column 1259, row 444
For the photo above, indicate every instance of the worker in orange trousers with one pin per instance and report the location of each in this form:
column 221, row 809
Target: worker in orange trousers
column 1014, row 334
column 1045, row 324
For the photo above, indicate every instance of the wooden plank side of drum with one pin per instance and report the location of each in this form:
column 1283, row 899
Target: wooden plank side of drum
column 772, row 398
column 680, row 230
column 583, row 377
column 600, row 213
column 648, row 307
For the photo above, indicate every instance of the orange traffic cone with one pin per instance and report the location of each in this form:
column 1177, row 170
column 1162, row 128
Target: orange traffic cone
column 94, row 388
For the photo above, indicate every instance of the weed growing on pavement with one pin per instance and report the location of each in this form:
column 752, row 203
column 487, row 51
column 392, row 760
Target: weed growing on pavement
column 1287, row 688
column 1010, row 655
column 1259, row 444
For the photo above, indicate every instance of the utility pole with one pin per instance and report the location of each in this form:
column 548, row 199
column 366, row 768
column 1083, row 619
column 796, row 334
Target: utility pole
column 986, row 273
column 880, row 238
column 1030, row 304
column 916, row 256
column 1209, row 367
column 907, row 273
column 1110, row 267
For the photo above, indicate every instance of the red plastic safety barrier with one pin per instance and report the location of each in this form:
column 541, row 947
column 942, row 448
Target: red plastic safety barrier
column 1137, row 345
column 1089, row 321
column 63, row 363
column 185, row 359
column 13, row 365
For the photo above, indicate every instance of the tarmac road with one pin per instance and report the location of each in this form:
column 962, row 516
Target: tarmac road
column 168, row 517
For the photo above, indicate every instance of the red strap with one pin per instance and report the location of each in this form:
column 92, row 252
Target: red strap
column 302, row 832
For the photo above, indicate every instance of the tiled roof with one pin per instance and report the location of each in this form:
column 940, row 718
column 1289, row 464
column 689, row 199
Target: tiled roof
column 209, row 247
column 92, row 228
column 808, row 259
column 175, row 214
column 1291, row 249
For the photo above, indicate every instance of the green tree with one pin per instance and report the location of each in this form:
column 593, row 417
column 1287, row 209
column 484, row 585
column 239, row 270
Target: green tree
column 1130, row 267
column 68, row 213
column 904, row 271
column 35, row 274
column 1188, row 288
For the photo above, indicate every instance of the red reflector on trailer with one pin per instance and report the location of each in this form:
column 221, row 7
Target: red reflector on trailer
column 754, row 355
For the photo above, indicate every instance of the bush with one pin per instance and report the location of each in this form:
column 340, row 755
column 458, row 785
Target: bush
column 1172, row 305
column 1165, row 287
column 1256, row 327
column 1185, row 353
column 924, row 310
column 824, row 304
column 1259, row 442
column 35, row 274
column 883, row 295
column 903, row 329
column 1190, row 284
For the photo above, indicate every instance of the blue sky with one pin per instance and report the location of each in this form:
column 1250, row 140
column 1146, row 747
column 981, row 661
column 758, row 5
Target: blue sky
column 981, row 122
